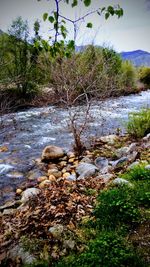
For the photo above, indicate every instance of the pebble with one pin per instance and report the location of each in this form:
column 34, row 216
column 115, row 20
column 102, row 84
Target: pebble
column 66, row 175
column 18, row 191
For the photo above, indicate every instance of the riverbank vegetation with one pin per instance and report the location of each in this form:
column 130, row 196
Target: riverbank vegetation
column 31, row 76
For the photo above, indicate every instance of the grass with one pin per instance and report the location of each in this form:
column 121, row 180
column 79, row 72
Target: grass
column 139, row 123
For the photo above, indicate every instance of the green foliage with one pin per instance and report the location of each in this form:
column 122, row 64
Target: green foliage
column 144, row 75
column 109, row 249
column 128, row 73
column 139, row 123
column 137, row 173
column 116, row 207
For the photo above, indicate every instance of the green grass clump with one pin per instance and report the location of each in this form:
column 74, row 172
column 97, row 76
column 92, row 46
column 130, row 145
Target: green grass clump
column 137, row 173
column 116, row 207
column 139, row 123
column 108, row 250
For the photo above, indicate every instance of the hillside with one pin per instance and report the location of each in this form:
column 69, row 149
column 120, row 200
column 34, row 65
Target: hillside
column 137, row 57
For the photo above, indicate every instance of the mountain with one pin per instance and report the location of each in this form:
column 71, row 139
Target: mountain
column 137, row 57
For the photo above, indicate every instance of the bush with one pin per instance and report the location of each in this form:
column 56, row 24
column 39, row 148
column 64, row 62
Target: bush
column 128, row 74
column 138, row 172
column 108, row 250
column 144, row 75
column 139, row 123
column 116, row 207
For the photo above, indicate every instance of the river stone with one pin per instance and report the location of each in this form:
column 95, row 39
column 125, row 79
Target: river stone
column 126, row 150
column 29, row 193
column 132, row 165
column 119, row 162
column 85, row 170
column 102, row 164
column 146, row 138
column 105, row 177
column 72, row 177
column 52, row 152
column 110, row 139
column 45, row 183
column 121, row 181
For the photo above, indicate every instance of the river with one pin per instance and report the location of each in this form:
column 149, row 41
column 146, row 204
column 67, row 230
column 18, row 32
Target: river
column 25, row 134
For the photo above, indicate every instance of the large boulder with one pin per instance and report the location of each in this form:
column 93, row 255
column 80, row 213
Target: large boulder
column 52, row 152
column 126, row 150
column 85, row 170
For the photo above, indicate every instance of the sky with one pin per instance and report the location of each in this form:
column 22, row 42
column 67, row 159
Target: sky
column 131, row 32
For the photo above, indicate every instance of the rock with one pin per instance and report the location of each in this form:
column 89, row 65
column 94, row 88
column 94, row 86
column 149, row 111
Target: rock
column 8, row 205
column 62, row 163
column 110, row 139
column 121, row 181
column 41, row 179
column 147, row 167
column 71, row 160
column 52, row 178
column 66, row 175
column 57, row 231
column 132, row 165
column 72, row 177
column 124, row 151
column 52, row 152
column 86, row 160
column 132, row 156
column 85, row 170
column 119, row 162
column 146, row 138
column 105, row 177
column 55, row 172
column 9, row 211
column 19, row 252
column 29, row 193
column 18, row 191
column 44, row 184
column 4, row 168
column 102, row 164
column 69, row 244
column 70, row 155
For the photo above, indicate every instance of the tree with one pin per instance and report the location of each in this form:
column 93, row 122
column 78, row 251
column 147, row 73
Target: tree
column 58, row 22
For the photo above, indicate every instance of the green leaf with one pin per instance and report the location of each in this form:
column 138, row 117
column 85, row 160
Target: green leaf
column 89, row 25
column 45, row 15
column 107, row 15
column 51, row 19
column 110, row 9
column 87, row 2
column 75, row 3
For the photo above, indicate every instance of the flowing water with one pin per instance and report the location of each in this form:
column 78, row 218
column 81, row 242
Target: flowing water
column 25, row 134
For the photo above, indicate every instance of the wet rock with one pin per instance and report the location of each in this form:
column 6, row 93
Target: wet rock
column 132, row 156
column 52, row 152
column 19, row 252
column 86, row 160
column 52, row 178
column 110, row 139
column 102, row 164
column 29, row 193
column 55, row 172
column 85, row 170
column 34, row 174
column 41, row 179
column 57, row 231
column 70, row 155
column 121, row 181
column 4, row 168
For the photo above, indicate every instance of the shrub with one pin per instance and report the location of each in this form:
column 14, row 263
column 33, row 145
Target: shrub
column 144, row 75
column 108, row 250
column 138, row 172
column 116, row 207
column 128, row 74
column 138, row 124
